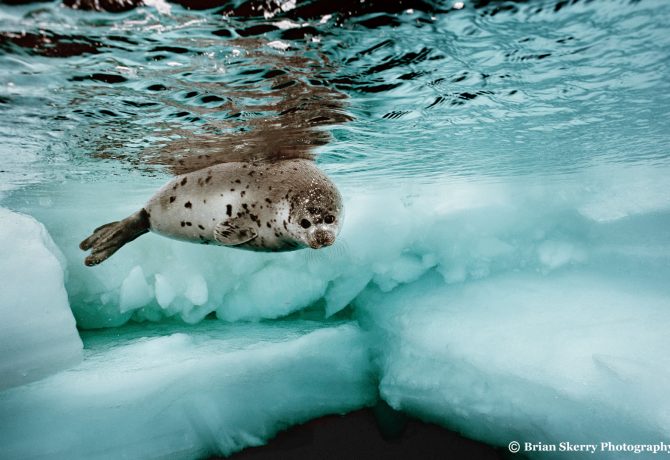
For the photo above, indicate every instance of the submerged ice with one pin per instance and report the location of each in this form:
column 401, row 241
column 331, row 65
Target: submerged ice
column 37, row 331
column 463, row 230
column 170, row 391
column 502, row 309
column 575, row 357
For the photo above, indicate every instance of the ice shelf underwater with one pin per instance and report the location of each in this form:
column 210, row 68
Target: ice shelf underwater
column 516, row 310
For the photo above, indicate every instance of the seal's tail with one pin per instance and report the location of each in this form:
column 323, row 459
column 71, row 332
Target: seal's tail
column 109, row 238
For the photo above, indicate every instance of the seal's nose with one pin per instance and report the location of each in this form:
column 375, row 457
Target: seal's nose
column 322, row 238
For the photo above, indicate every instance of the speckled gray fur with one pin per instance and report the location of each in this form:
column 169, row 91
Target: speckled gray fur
column 254, row 206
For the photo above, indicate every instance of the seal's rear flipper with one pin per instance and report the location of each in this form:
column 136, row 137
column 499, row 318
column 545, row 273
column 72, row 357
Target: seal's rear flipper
column 109, row 238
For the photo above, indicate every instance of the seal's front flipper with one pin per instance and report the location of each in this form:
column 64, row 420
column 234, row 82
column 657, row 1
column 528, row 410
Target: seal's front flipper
column 109, row 238
column 233, row 232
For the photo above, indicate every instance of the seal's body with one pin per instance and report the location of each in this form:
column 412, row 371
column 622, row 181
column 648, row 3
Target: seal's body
column 266, row 206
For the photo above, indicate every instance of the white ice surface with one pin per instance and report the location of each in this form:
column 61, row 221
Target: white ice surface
column 532, row 309
column 37, row 330
column 574, row 357
column 185, row 392
column 466, row 230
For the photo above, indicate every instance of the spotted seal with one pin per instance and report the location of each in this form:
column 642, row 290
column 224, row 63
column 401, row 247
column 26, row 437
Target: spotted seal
column 263, row 206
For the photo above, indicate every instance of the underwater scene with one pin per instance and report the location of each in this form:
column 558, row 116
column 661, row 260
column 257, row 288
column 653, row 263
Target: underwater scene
column 223, row 219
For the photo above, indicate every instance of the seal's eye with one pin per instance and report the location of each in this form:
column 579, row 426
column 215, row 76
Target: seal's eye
column 305, row 223
column 329, row 219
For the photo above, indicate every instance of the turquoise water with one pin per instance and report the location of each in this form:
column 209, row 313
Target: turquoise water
column 502, row 268
column 502, row 90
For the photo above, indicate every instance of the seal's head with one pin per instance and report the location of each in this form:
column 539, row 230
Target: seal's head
column 316, row 215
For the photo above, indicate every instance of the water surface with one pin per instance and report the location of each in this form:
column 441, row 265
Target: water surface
column 424, row 93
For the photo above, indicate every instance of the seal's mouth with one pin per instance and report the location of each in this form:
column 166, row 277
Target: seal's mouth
column 322, row 238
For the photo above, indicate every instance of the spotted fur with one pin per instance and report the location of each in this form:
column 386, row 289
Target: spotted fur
column 276, row 198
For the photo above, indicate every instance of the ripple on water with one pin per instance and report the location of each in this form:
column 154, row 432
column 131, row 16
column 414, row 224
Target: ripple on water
column 415, row 90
